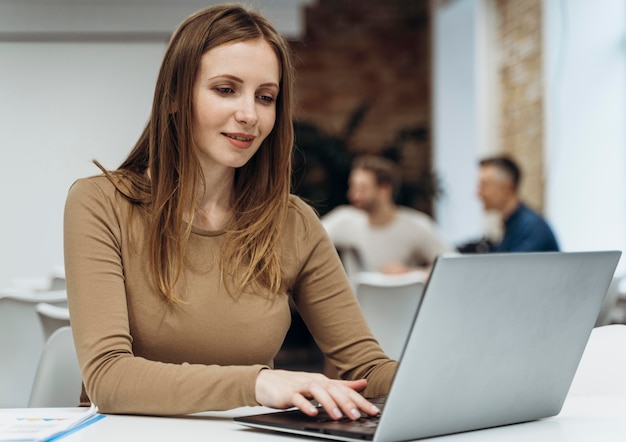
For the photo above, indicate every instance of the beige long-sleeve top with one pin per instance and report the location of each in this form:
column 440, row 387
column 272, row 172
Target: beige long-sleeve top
column 139, row 354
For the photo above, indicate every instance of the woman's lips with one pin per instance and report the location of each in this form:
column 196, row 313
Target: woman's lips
column 241, row 141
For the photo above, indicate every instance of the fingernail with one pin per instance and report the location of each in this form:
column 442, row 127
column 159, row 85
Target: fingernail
column 337, row 413
column 356, row 413
column 375, row 409
column 313, row 410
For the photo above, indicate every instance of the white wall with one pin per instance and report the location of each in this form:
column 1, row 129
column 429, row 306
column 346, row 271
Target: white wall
column 586, row 122
column 464, row 119
column 62, row 105
column 76, row 84
column 585, row 126
column 147, row 17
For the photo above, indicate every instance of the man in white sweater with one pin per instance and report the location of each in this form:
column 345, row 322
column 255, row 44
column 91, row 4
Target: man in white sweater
column 385, row 237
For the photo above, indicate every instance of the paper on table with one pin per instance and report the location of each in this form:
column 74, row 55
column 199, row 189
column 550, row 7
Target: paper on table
column 43, row 424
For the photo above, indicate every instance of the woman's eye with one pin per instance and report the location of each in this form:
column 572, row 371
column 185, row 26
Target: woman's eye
column 267, row 99
column 224, row 90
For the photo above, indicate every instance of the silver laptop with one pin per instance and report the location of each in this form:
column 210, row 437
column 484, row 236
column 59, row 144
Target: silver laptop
column 496, row 340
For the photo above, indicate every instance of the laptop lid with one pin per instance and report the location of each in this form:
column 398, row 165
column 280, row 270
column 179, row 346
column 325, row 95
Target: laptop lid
column 497, row 340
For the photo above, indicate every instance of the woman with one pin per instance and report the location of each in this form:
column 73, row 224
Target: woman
column 180, row 264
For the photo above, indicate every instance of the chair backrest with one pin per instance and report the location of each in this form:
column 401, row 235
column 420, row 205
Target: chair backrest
column 52, row 317
column 389, row 303
column 351, row 261
column 21, row 343
column 57, row 380
column 57, row 278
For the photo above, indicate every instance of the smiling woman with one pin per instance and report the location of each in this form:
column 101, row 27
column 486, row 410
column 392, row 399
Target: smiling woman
column 182, row 264
column 234, row 106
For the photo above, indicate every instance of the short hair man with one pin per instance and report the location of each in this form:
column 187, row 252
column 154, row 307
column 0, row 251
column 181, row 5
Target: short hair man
column 388, row 238
column 524, row 229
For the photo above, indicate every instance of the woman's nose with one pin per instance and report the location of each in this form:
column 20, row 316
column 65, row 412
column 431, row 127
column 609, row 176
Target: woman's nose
column 246, row 113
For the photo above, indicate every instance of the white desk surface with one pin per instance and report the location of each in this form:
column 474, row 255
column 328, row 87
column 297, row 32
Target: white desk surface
column 598, row 419
column 595, row 410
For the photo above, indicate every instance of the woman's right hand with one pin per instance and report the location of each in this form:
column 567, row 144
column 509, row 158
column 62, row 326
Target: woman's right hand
column 285, row 389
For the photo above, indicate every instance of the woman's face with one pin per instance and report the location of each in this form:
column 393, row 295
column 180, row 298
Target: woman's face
column 234, row 102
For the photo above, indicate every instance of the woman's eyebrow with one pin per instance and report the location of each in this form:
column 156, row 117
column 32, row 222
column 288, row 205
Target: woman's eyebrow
column 227, row 76
column 270, row 84
column 239, row 80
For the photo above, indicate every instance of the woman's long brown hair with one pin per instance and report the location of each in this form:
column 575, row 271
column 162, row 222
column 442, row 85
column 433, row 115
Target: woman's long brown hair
column 164, row 170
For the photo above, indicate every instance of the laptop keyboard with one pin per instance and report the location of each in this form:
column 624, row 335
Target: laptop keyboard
column 365, row 421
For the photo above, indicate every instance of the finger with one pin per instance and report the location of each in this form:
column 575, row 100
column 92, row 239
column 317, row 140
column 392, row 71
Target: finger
column 323, row 397
column 305, row 405
column 364, row 405
column 352, row 400
column 357, row 385
column 347, row 399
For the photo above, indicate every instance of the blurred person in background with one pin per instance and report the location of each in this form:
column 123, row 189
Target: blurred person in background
column 524, row 229
column 386, row 237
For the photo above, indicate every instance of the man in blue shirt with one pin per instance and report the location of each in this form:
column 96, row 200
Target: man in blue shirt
column 524, row 229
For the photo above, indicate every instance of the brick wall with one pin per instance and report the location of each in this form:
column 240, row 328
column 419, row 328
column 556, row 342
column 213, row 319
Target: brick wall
column 375, row 53
column 521, row 91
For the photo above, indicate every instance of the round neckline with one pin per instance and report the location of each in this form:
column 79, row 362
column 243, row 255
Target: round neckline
column 203, row 232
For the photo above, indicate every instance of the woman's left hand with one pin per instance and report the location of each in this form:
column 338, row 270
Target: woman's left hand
column 284, row 389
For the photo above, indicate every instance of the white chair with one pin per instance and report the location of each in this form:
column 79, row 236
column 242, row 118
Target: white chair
column 21, row 342
column 57, row 381
column 351, row 261
column 55, row 280
column 52, row 317
column 389, row 303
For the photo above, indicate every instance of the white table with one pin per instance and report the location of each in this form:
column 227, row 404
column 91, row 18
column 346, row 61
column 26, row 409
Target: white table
column 595, row 410
column 597, row 419
column 602, row 369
